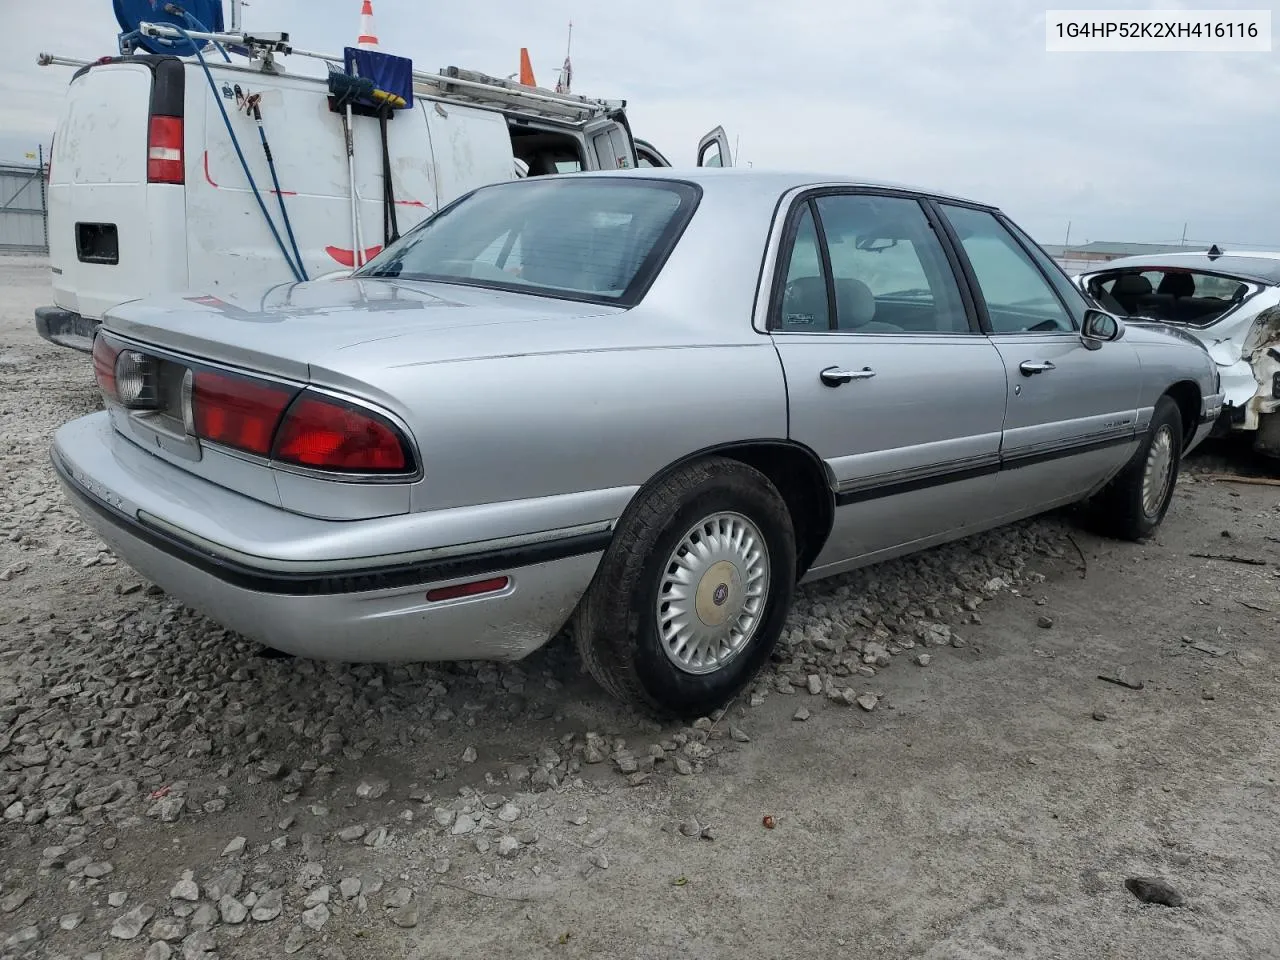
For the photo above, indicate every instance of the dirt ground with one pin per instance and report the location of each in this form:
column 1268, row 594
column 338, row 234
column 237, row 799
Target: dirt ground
column 991, row 805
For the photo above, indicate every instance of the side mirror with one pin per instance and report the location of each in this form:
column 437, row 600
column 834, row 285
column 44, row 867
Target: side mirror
column 1100, row 327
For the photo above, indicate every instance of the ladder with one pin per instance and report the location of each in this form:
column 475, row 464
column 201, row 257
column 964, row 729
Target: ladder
column 451, row 83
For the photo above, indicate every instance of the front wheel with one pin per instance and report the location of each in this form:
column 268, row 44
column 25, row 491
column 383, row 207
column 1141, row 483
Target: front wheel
column 692, row 594
column 1133, row 505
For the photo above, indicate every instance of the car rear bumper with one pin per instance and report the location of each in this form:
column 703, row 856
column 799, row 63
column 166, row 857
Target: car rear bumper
column 354, row 608
column 66, row 328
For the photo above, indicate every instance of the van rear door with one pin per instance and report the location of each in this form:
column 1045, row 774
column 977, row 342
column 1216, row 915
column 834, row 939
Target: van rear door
column 116, row 194
column 608, row 146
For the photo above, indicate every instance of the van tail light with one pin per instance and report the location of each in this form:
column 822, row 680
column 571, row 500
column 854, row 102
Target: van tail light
column 237, row 411
column 104, row 367
column 164, row 151
column 325, row 433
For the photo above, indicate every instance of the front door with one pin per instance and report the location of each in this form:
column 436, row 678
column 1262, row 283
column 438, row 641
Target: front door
column 713, row 149
column 1072, row 404
column 888, row 379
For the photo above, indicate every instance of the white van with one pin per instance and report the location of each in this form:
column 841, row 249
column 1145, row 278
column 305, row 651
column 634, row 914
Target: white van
column 148, row 194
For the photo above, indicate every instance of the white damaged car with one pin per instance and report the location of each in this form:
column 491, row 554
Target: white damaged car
column 1230, row 302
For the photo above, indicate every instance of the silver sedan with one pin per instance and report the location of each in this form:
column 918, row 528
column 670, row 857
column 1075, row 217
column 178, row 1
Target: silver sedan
column 644, row 405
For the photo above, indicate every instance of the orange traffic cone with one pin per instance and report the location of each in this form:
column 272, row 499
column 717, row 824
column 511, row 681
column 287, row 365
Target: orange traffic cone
column 526, row 69
column 368, row 38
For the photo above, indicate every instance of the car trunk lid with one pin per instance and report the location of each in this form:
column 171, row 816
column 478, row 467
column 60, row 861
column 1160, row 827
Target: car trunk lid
column 292, row 327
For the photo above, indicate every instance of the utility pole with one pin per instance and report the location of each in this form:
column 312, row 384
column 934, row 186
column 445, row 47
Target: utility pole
column 1067, row 242
column 1184, row 235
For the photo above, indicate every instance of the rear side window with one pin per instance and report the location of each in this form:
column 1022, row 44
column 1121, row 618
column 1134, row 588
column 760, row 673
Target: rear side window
column 585, row 239
column 805, row 306
column 889, row 271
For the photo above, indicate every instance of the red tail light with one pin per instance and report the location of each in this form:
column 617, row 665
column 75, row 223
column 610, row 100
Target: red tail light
column 164, row 151
column 328, row 434
column 237, row 411
column 104, row 367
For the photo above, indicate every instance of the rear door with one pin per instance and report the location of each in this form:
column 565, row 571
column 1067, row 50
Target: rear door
column 1072, row 405
column 888, row 378
column 608, row 146
column 713, row 149
column 111, row 234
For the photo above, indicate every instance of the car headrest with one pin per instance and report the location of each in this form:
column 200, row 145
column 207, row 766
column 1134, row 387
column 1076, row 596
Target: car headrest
column 805, row 304
column 1131, row 285
column 1177, row 285
column 855, row 304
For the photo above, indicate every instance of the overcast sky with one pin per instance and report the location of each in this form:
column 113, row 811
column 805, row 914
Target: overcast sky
column 959, row 96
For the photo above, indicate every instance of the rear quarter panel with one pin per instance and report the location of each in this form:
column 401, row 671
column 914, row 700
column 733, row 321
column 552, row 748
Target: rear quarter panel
column 1167, row 359
column 536, row 423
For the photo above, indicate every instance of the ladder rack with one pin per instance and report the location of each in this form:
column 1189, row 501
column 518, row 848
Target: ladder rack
column 451, row 83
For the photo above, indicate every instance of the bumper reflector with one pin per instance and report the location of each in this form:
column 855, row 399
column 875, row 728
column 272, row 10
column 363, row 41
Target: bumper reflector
column 472, row 589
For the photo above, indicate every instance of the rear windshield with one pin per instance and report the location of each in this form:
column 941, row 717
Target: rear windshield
column 581, row 238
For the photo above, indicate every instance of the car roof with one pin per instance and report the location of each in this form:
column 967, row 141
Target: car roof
column 1262, row 266
column 772, row 181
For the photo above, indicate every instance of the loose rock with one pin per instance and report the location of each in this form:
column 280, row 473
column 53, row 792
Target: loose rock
column 397, row 898
column 168, row 928
column 268, row 906
column 130, row 925
column 406, row 917
column 13, row 901
column 316, row 917
column 373, row 788
column 1155, row 890
column 463, row 825
column 232, row 911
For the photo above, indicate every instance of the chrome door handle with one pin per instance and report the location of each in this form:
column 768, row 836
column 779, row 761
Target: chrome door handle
column 834, row 376
column 1030, row 368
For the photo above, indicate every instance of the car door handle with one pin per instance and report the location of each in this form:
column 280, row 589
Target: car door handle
column 1030, row 368
column 834, row 376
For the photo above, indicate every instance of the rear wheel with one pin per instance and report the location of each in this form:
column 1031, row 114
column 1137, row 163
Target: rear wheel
column 693, row 592
column 1133, row 505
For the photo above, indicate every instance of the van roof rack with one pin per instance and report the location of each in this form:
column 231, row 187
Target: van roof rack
column 451, row 83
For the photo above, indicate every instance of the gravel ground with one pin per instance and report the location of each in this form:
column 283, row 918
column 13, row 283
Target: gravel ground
column 942, row 772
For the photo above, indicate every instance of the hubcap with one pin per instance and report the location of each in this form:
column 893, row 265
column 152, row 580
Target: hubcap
column 713, row 593
column 1155, row 479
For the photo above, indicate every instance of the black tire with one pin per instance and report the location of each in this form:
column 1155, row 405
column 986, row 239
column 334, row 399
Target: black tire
column 618, row 631
column 1121, row 510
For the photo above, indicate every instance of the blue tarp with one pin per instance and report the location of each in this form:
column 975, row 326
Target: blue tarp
column 390, row 73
